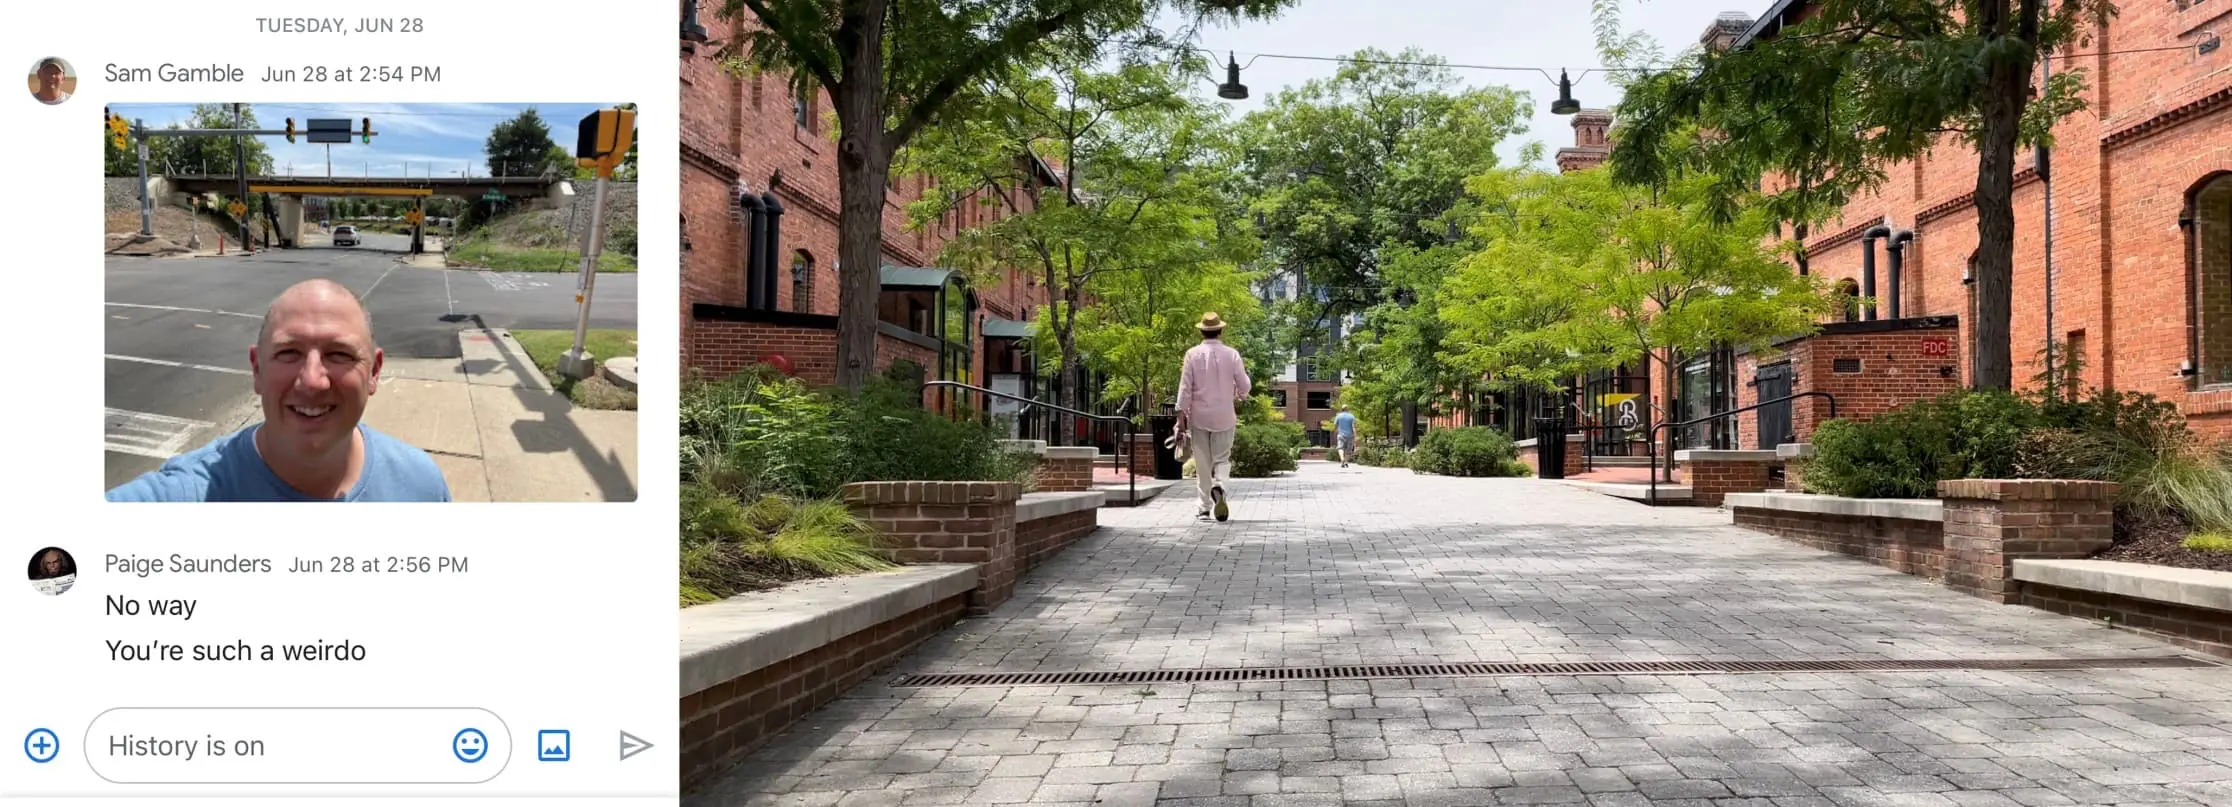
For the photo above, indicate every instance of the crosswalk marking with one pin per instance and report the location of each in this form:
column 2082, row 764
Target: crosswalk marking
column 167, row 363
column 149, row 435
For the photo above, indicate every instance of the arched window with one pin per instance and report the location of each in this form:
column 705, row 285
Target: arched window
column 802, row 282
column 1848, row 300
column 2209, row 237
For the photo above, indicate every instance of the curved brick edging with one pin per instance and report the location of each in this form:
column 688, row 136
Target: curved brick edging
column 753, row 664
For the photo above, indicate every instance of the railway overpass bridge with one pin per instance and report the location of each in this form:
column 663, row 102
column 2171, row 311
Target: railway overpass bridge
column 530, row 192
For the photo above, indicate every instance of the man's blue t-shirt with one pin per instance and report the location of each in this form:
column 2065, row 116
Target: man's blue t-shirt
column 1345, row 423
column 228, row 469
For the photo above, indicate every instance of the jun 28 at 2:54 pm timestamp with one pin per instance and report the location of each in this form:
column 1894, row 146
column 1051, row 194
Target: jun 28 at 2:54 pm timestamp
column 354, row 73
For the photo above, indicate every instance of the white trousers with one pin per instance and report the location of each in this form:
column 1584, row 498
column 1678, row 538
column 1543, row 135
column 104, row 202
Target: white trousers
column 1212, row 453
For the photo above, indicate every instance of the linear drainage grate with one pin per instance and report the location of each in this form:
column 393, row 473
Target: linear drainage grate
column 1463, row 670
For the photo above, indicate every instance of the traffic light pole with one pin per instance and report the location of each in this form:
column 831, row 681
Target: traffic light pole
column 147, row 205
column 240, row 173
column 578, row 363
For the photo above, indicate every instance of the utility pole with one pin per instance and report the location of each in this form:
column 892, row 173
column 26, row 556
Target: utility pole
column 240, row 173
column 147, row 205
column 604, row 139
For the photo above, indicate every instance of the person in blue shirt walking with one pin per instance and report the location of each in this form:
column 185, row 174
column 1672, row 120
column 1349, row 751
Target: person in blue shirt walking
column 1344, row 425
column 316, row 366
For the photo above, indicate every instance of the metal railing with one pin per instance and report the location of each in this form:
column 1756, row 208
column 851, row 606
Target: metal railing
column 1832, row 399
column 1131, row 469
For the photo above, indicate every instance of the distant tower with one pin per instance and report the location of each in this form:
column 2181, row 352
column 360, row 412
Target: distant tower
column 1725, row 29
column 1590, row 144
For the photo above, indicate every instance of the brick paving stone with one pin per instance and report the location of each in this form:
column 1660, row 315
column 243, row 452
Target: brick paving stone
column 1371, row 566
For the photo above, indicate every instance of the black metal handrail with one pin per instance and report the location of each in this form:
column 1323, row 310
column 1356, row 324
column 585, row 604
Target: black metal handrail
column 1131, row 468
column 1719, row 415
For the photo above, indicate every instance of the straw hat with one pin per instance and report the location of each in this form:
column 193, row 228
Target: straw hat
column 1211, row 322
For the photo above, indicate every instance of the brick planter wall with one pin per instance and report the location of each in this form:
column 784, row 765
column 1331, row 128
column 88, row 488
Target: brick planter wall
column 723, row 724
column 1142, row 455
column 1066, row 468
column 1991, row 522
column 1905, row 545
column 2201, row 629
column 1531, row 455
column 947, row 522
column 1712, row 475
column 1039, row 540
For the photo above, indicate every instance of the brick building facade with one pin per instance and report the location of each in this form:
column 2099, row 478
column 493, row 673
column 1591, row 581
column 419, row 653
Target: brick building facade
column 749, row 134
column 2142, row 217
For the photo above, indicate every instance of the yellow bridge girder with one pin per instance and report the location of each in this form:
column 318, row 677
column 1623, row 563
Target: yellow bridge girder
column 338, row 190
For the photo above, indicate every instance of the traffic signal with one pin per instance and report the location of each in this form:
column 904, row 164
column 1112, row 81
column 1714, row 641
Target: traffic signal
column 604, row 137
column 290, row 130
column 368, row 131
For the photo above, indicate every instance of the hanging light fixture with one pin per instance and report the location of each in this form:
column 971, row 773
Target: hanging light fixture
column 1232, row 89
column 1565, row 105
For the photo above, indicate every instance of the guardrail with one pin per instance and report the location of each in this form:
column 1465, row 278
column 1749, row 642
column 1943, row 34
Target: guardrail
column 1131, row 469
column 1832, row 399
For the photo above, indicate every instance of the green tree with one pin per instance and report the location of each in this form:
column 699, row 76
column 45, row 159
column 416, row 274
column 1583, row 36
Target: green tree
column 522, row 146
column 1605, row 273
column 1827, row 103
column 890, row 67
column 1342, row 168
column 1136, row 194
column 1115, row 331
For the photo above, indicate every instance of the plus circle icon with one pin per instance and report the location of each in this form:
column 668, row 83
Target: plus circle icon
column 41, row 745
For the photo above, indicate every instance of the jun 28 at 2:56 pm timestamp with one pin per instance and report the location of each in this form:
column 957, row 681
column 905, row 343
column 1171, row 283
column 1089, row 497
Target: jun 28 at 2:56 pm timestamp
column 381, row 564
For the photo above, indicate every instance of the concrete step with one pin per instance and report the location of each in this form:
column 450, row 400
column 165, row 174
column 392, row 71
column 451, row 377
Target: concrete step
column 1621, row 462
column 1120, row 494
column 1639, row 492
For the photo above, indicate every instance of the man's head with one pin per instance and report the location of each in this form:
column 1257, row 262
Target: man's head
column 51, row 562
column 1211, row 326
column 1344, row 410
column 50, row 80
column 315, row 367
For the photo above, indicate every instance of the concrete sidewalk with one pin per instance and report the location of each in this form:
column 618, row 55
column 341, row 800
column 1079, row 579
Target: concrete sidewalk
column 500, row 432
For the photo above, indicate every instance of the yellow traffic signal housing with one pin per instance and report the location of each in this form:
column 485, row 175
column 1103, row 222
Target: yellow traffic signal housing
column 290, row 130
column 604, row 138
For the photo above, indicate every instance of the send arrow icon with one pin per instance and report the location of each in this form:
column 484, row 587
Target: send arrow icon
column 631, row 745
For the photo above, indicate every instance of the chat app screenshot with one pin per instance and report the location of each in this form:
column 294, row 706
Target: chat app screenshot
column 354, row 290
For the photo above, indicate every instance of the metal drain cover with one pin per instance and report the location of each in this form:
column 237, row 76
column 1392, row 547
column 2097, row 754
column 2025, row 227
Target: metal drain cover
column 1466, row 670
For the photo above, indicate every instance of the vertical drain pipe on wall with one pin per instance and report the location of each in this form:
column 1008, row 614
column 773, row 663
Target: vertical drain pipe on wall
column 1896, row 247
column 755, row 232
column 1867, row 265
column 2044, row 164
column 771, row 260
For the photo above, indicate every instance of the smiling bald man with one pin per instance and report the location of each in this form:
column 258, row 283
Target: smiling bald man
column 315, row 367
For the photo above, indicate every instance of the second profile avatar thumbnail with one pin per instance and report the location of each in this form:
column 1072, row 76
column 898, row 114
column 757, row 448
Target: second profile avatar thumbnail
column 53, row 571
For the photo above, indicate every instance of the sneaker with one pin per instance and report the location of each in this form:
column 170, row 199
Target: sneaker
column 1224, row 511
column 1201, row 515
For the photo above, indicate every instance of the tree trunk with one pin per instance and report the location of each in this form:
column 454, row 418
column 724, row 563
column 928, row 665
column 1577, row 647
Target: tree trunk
column 863, row 169
column 1666, row 404
column 1991, row 341
column 1065, row 338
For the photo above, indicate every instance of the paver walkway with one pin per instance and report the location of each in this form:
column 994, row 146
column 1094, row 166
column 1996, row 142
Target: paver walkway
column 1349, row 566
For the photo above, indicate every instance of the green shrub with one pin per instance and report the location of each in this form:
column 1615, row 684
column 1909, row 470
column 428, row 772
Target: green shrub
column 1904, row 453
column 728, row 547
column 1263, row 449
column 1466, row 451
column 2210, row 542
column 888, row 435
column 2183, row 482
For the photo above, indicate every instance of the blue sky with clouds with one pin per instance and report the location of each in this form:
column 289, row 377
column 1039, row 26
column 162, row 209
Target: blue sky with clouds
column 411, row 139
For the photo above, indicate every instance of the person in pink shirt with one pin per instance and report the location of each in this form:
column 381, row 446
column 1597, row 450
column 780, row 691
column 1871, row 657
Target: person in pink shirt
column 1211, row 384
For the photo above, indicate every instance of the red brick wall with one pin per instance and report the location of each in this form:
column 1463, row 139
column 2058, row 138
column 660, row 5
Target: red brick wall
column 1064, row 475
column 742, row 129
column 726, row 347
column 2157, row 123
column 2198, row 628
column 947, row 522
column 1991, row 522
column 1039, row 540
column 1897, row 367
column 1911, row 547
column 721, row 725
column 1711, row 481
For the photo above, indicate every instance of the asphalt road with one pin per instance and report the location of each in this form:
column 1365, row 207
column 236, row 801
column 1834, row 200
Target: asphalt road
column 178, row 330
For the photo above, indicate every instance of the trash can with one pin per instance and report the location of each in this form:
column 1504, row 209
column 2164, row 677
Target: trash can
column 1167, row 465
column 1550, row 448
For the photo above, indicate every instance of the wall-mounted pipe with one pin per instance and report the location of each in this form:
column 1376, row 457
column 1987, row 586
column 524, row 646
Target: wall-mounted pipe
column 1867, row 264
column 771, row 260
column 755, row 233
column 1897, row 249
